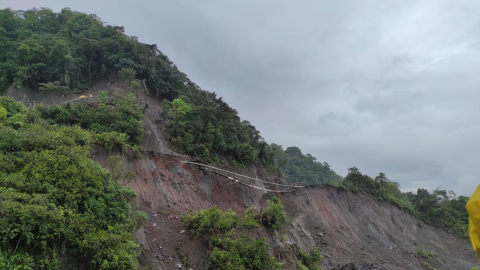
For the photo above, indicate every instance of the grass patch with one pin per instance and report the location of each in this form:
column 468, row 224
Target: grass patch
column 425, row 254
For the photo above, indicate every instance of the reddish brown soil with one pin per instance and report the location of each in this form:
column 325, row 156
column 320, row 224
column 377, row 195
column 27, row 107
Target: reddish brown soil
column 347, row 227
column 355, row 227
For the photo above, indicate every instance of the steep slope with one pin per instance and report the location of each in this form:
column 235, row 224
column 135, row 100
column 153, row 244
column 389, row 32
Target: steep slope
column 66, row 52
column 347, row 227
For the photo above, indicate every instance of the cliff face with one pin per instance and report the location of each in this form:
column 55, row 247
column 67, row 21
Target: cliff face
column 347, row 227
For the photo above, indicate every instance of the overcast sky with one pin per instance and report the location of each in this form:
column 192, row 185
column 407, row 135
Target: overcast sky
column 388, row 86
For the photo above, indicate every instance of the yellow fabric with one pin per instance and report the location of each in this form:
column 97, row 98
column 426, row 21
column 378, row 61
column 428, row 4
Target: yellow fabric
column 473, row 209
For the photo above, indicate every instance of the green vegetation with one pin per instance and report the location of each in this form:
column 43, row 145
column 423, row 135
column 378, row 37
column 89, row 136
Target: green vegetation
column 305, row 168
column 241, row 253
column 380, row 187
column 427, row 266
column 425, row 254
column 54, row 199
column 213, row 221
column 310, row 260
column 440, row 208
column 231, row 250
column 116, row 125
column 205, row 127
column 274, row 216
column 64, row 52
column 210, row 221
column 67, row 51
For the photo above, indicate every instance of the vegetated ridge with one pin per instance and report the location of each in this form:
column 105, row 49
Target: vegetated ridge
column 55, row 206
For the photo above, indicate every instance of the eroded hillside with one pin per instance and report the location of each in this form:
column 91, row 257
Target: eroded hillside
column 347, row 227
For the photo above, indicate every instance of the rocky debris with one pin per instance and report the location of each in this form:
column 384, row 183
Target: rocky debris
column 351, row 220
column 355, row 266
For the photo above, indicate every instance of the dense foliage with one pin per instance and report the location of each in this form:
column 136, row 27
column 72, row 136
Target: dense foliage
column 115, row 124
column 204, row 126
column 305, row 168
column 274, row 216
column 210, row 221
column 69, row 50
column 241, row 253
column 440, row 208
column 54, row 199
column 231, row 250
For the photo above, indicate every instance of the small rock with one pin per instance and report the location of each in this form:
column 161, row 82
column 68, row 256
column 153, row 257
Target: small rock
column 182, row 231
column 179, row 265
column 154, row 224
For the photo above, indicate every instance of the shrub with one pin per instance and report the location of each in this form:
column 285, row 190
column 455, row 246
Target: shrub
column 274, row 216
column 311, row 259
column 250, row 219
column 3, row 113
column 20, row 261
column 210, row 221
column 425, row 254
column 54, row 198
column 102, row 96
column 242, row 253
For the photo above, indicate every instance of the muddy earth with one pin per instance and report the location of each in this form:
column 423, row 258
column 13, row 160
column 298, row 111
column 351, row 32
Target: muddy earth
column 353, row 231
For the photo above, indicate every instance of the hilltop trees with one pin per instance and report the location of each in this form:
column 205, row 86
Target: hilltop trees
column 68, row 51
column 442, row 208
column 439, row 207
column 306, row 169
column 73, row 49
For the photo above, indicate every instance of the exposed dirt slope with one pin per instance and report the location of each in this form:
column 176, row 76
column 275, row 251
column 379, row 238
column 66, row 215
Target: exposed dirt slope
column 347, row 227
column 353, row 230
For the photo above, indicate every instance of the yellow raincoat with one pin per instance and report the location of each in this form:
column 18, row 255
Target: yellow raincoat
column 473, row 209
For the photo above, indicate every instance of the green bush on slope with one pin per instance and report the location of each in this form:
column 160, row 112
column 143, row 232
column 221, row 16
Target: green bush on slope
column 54, row 199
column 440, row 208
column 231, row 251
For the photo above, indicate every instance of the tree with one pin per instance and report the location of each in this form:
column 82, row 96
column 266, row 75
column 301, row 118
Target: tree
column 102, row 96
column 3, row 114
column 127, row 74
